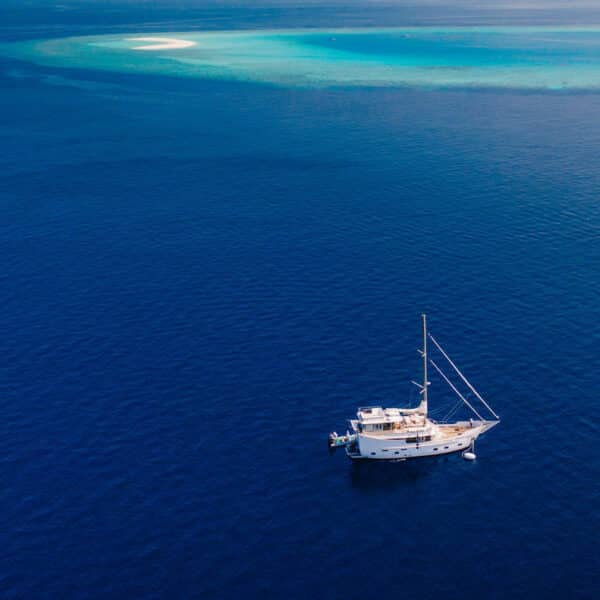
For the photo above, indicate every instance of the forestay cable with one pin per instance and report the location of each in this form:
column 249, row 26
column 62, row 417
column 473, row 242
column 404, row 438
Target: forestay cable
column 463, row 377
column 455, row 390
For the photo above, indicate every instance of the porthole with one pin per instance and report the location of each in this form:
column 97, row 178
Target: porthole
column 372, row 453
column 435, row 449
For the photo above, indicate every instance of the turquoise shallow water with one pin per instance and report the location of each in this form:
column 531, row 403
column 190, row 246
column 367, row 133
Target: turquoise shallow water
column 515, row 57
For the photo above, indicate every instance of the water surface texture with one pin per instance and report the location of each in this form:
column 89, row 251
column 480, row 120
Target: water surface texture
column 201, row 277
column 517, row 57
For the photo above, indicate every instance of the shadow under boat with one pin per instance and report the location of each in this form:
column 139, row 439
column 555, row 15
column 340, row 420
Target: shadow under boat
column 370, row 475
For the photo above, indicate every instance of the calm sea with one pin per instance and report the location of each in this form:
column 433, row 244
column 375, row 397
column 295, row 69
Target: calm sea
column 200, row 280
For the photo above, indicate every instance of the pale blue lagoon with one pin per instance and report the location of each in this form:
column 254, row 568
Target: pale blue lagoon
column 515, row 57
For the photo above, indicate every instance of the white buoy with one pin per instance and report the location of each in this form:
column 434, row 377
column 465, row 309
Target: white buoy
column 469, row 455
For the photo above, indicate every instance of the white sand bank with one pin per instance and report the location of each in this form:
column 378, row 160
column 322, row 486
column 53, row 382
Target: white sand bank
column 161, row 43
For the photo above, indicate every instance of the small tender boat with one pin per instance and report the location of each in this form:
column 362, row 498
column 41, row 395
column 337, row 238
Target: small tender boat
column 401, row 433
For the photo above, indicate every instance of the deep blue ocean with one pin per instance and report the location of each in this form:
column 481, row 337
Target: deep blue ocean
column 201, row 279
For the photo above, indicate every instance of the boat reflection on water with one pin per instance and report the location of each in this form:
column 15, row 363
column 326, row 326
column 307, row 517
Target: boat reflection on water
column 370, row 476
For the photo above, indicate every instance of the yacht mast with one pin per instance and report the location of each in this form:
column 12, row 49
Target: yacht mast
column 425, row 384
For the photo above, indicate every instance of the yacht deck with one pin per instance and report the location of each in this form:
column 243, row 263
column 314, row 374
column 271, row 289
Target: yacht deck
column 446, row 431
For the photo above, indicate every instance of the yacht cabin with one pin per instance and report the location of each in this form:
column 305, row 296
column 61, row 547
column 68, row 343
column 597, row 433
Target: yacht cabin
column 375, row 420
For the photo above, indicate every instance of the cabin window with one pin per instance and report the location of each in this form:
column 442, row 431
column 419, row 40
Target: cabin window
column 372, row 453
column 414, row 440
column 445, row 447
column 385, row 450
column 435, row 449
column 396, row 452
column 375, row 427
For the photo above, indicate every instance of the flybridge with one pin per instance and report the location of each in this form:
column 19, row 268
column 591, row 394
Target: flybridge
column 375, row 413
column 402, row 433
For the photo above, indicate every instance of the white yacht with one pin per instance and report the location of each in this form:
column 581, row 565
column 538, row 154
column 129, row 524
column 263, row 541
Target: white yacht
column 401, row 433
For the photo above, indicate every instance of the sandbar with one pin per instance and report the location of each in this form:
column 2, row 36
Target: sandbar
column 161, row 43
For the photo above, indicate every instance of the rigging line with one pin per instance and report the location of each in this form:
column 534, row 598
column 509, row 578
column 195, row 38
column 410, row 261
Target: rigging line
column 449, row 416
column 463, row 377
column 439, row 413
column 455, row 390
column 452, row 410
column 436, row 414
column 446, row 408
column 457, row 407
